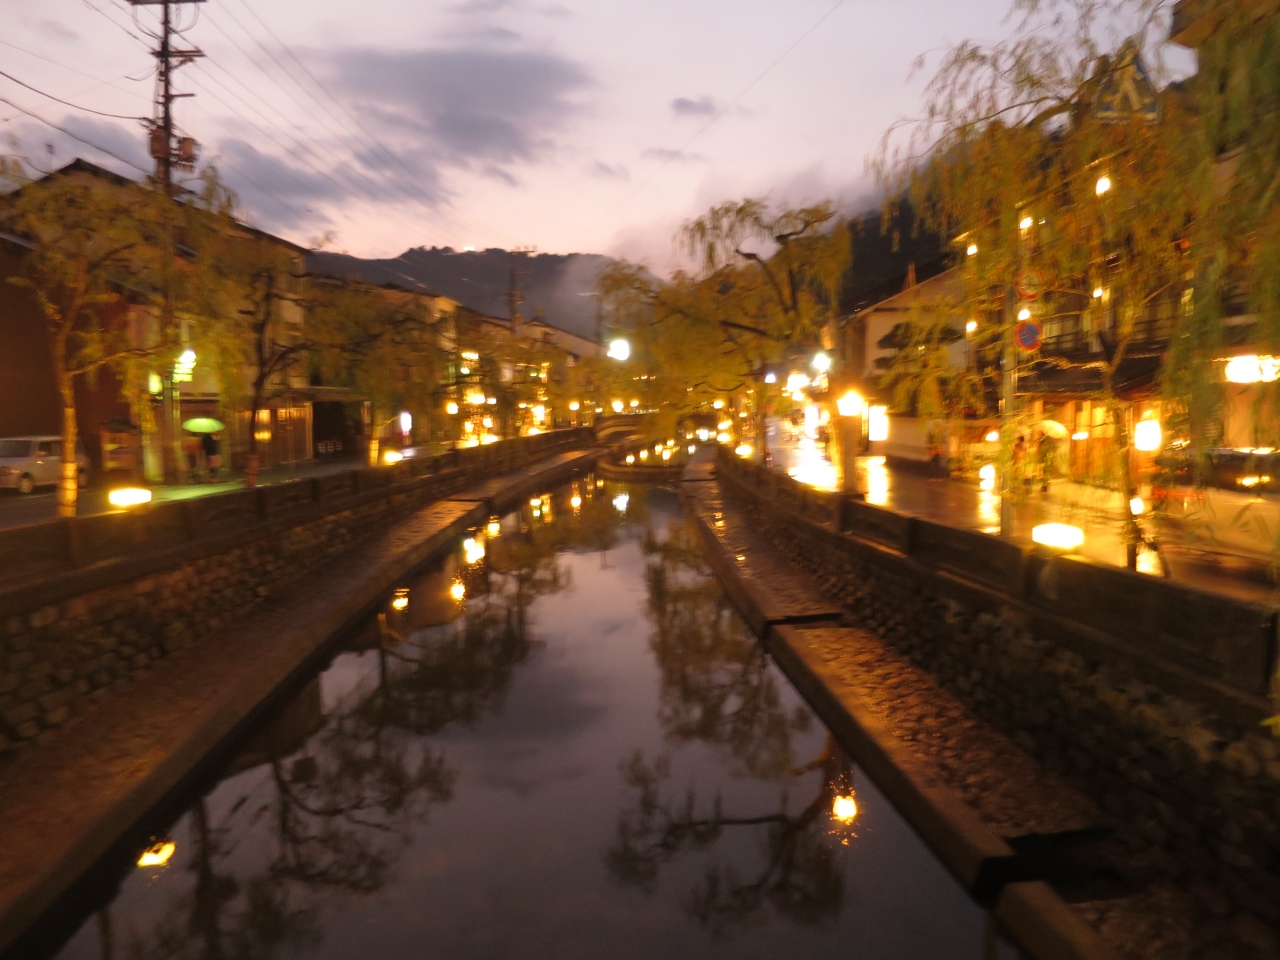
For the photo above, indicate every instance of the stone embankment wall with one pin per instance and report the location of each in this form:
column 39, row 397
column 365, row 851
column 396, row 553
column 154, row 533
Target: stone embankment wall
column 1159, row 717
column 106, row 596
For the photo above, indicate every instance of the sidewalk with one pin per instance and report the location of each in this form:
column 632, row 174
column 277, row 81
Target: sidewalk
column 960, row 503
column 17, row 511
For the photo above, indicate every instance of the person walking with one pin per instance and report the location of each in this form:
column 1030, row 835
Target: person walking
column 212, row 456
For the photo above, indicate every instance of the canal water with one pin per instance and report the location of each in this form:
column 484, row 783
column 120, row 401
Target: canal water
column 560, row 741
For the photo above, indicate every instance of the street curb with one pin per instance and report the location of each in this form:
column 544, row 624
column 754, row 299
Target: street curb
column 1032, row 913
column 296, row 649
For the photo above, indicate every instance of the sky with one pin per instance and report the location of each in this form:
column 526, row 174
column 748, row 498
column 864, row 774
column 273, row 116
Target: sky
column 592, row 126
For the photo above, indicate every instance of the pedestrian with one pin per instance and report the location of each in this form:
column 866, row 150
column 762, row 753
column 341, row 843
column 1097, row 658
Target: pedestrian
column 1020, row 461
column 212, row 456
column 1047, row 452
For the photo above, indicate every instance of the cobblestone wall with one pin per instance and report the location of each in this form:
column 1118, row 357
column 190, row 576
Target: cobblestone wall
column 1195, row 794
column 56, row 657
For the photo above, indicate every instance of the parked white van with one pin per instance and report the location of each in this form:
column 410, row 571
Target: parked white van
column 1227, row 503
column 30, row 462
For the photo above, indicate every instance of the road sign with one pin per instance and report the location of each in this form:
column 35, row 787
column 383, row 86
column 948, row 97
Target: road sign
column 1030, row 283
column 1126, row 91
column 1028, row 335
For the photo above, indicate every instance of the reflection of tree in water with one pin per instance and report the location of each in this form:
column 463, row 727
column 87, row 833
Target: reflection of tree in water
column 344, row 789
column 798, row 875
column 716, row 683
column 717, row 688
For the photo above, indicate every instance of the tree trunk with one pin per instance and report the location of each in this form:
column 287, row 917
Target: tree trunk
column 1132, row 535
column 251, row 462
column 69, row 474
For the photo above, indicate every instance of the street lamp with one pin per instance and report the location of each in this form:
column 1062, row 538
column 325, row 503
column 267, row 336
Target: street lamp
column 1147, row 436
column 821, row 362
column 619, row 349
column 1102, row 186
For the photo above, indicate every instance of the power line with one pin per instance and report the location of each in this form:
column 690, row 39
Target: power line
column 105, row 83
column 719, row 113
column 73, row 136
column 66, row 103
column 393, row 157
column 350, row 177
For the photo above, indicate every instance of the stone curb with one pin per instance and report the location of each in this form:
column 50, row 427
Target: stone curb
column 298, row 646
column 1031, row 912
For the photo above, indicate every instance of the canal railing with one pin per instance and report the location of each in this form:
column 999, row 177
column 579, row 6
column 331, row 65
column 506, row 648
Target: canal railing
column 1210, row 646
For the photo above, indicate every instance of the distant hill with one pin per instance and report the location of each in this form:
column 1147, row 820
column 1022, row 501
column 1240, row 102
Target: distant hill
column 480, row 279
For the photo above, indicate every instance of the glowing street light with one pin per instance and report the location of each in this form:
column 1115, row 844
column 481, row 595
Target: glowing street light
column 158, row 854
column 1025, row 223
column 1102, row 186
column 971, row 326
column 844, row 809
column 821, row 362
column 406, row 422
column 1147, row 436
column 617, row 406
column 850, row 405
column 458, row 590
column 971, row 249
column 619, row 349
column 129, row 497
column 770, row 377
column 1058, row 536
column 451, row 408
column 1253, row 369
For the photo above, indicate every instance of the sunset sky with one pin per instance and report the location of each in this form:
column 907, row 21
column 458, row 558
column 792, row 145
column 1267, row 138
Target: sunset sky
column 562, row 124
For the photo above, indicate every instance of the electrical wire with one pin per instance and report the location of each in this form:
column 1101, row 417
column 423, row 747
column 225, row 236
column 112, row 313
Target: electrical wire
column 105, row 83
column 73, row 136
column 720, row 113
column 393, row 157
column 67, row 103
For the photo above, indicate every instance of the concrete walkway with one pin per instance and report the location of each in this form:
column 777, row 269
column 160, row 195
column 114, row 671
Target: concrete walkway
column 74, row 799
column 17, row 510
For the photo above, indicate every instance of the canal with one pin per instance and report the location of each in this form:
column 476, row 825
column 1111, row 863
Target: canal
column 558, row 741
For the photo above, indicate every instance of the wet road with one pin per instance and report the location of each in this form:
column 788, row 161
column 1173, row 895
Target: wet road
column 963, row 504
column 560, row 741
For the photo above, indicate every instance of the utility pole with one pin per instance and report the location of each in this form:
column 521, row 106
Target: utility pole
column 514, row 297
column 167, row 151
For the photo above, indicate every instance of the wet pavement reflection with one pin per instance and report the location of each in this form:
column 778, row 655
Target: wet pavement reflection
column 559, row 741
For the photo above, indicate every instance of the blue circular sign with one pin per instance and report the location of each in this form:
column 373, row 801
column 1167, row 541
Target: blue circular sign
column 1028, row 336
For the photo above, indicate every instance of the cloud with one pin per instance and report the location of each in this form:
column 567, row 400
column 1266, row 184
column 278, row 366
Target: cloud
column 607, row 172
column 702, row 107
column 464, row 105
column 279, row 193
column 482, row 6
column 115, row 146
column 489, row 33
column 56, row 31
column 672, row 156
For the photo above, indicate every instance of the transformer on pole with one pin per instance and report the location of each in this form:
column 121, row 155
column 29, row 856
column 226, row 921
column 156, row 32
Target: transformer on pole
column 169, row 151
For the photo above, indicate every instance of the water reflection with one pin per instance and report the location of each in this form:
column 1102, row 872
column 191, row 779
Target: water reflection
column 718, row 688
column 586, row 754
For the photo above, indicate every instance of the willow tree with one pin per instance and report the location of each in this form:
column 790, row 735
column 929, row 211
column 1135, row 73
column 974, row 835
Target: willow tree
column 1237, row 240
column 1065, row 182
column 379, row 344
column 768, row 281
column 87, row 242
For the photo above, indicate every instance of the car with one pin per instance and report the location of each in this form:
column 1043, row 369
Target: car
column 30, row 462
column 1227, row 501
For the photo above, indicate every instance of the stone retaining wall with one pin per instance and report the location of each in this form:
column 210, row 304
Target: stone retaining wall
column 1188, row 771
column 160, row 579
